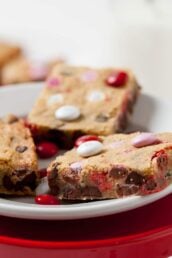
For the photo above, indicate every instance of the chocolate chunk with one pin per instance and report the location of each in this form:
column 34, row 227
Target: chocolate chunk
column 72, row 193
column 52, row 179
column 71, row 176
column 90, row 192
column 24, row 178
column 29, row 180
column 19, row 173
column 102, row 118
column 7, row 183
column 126, row 190
column 118, row 172
column 150, row 185
column 21, row 149
column 135, row 178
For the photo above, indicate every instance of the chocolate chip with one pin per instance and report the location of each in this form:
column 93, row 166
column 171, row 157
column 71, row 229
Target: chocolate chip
column 126, row 190
column 102, row 117
column 135, row 178
column 21, row 149
column 118, row 172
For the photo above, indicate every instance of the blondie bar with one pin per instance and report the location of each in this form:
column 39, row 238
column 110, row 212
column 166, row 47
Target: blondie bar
column 8, row 52
column 18, row 160
column 81, row 100
column 113, row 167
column 22, row 69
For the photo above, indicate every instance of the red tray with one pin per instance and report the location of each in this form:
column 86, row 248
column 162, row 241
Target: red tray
column 143, row 232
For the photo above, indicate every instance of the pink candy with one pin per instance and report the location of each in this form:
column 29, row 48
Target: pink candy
column 145, row 139
column 89, row 76
column 53, row 82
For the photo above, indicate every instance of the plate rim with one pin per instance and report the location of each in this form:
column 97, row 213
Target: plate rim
column 88, row 210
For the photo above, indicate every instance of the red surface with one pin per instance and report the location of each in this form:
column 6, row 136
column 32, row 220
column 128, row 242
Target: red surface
column 144, row 232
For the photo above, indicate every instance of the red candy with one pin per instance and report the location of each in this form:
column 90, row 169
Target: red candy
column 46, row 199
column 46, row 149
column 42, row 172
column 117, row 79
column 86, row 138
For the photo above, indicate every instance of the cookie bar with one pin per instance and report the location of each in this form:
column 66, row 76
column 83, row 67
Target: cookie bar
column 80, row 100
column 113, row 167
column 21, row 70
column 8, row 52
column 18, row 160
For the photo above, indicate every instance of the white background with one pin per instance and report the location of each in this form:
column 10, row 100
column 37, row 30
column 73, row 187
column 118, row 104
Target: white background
column 132, row 33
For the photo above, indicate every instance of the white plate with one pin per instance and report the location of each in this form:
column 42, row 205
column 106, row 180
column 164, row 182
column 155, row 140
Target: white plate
column 151, row 114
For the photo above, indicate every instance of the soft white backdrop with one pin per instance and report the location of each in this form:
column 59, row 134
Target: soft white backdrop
column 133, row 33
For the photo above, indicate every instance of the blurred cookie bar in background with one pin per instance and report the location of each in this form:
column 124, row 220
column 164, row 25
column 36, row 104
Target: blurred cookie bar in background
column 8, row 52
column 21, row 69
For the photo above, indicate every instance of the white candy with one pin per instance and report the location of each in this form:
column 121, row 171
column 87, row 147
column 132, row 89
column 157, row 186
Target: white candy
column 56, row 98
column 96, row 95
column 43, row 187
column 67, row 113
column 89, row 148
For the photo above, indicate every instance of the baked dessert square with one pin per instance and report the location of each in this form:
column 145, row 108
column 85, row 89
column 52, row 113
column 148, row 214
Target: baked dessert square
column 113, row 166
column 8, row 52
column 82, row 100
column 18, row 160
column 21, row 69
